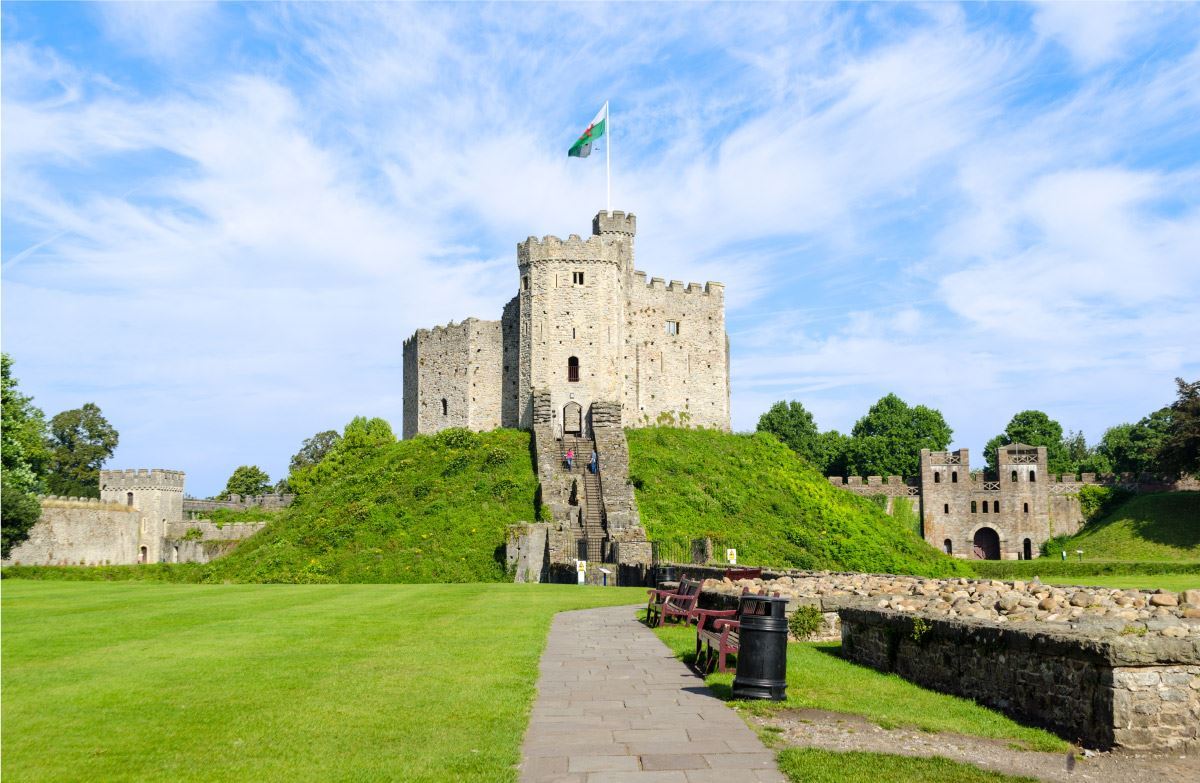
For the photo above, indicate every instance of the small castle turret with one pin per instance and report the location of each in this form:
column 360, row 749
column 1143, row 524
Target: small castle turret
column 157, row 494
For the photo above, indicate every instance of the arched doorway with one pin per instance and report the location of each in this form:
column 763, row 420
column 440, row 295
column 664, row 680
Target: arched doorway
column 948, row 546
column 1028, row 549
column 141, row 554
column 572, row 418
column 986, row 544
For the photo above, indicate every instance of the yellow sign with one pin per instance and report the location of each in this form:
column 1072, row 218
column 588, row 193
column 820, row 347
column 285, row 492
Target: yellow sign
column 731, row 556
column 581, row 566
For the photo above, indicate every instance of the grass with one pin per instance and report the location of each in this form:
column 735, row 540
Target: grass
column 753, row 493
column 145, row 682
column 1158, row 527
column 812, row 765
column 818, row 678
column 1175, row 582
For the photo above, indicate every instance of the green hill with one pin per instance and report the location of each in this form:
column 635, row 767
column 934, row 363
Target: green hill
column 751, row 492
column 430, row 509
column 1158, row 527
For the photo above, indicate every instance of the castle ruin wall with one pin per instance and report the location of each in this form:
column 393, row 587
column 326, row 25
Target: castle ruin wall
column 81, row 531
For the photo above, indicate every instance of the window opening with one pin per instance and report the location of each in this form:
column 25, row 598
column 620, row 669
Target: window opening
column 1026, row 508
column 937, row 477
column 1014, row 475
column 985, row 506
column 129, row 498
column 673, row 327
column 524, row 282
column 974, row 507
column 445, row 407
column 996, row 506
column 945, row 508
column 954, row 477
column 573, row 369
column 1033, row 475
column 577, row 278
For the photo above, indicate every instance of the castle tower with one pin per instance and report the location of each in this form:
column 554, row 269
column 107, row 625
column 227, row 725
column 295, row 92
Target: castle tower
column 158, row 496
column 571, row 308
column 945, row 494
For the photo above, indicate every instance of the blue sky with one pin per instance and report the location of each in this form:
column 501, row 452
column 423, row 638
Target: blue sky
column 220, row 221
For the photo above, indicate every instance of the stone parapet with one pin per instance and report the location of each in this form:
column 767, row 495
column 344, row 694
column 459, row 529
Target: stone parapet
column 1140, row 693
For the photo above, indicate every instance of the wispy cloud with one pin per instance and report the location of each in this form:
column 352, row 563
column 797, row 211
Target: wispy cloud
column 221, row 221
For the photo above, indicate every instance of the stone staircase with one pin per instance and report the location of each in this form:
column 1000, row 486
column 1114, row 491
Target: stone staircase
column 592, row 534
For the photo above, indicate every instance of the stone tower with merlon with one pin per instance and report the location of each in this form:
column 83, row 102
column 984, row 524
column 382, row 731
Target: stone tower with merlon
column 158, row 496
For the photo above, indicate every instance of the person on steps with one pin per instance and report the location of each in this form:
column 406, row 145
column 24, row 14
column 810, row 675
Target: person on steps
column 570, row 460
column 594, row 463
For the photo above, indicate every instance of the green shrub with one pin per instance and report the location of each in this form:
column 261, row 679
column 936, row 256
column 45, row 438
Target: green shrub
column 457, row 438
column 1095, row 501
column 805, row 621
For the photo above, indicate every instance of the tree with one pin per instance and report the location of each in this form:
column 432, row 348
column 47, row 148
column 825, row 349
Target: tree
column 23, row 460
column 247, row 480
column 1133, row 448
column 888, row 440
column 1033, row 428
column 792, row 424
column 361, row 438
column 1180, row 450
column 80, row 441
column 314, row 449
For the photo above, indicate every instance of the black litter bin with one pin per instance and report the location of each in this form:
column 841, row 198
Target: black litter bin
column 762, row 649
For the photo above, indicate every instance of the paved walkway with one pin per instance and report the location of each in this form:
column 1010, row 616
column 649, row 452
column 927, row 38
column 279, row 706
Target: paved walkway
column 615, row 705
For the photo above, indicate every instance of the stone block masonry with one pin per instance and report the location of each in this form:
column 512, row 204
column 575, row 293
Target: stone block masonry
column 1134, row 692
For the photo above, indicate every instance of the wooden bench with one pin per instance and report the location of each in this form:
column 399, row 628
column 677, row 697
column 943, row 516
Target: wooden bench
column 734, row 574
column 678, row 603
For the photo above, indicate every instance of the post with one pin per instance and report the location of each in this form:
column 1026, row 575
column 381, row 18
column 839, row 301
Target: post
column 608, row 131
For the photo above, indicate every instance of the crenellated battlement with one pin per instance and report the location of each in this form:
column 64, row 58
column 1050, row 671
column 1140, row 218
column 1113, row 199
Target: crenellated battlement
column 711, row 288
column 134, row 478
column 63, row 501
column 573, row 248
column 615, row 222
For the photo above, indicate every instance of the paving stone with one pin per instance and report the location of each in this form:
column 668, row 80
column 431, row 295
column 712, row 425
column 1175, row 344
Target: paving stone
column 674, row 761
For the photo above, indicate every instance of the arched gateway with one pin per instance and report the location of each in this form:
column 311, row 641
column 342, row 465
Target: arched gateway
column 986, row 544
column 573, row 418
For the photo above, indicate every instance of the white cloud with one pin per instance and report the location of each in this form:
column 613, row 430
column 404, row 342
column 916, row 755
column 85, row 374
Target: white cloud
column 161, row 31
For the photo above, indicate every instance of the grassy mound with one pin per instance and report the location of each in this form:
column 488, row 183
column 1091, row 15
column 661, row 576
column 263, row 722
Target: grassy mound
column 424, row 510
column 1159, row 527
column 751, row 492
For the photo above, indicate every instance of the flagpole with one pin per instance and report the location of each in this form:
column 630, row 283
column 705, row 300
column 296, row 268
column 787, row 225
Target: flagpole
column 608, row 160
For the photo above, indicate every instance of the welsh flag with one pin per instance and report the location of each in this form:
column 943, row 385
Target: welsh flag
column 595, row 129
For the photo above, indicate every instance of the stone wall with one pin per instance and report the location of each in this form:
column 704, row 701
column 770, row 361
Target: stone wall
column 526, row 551
column 158, row 496
column 201, row 541
column 81, row 531
column 620, row 507
column 676, row 355
column 274, row 502
column 454, row 377
column 1140, row 693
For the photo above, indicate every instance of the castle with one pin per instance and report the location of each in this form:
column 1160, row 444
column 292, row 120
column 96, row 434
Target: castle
column 584, row 327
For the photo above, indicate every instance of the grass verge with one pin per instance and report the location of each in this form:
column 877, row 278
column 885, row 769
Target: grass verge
column 812, row 765
column 818, row 678
column 148, row 682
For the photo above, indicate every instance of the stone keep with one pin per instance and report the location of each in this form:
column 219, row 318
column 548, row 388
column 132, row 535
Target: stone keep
column 585, row 327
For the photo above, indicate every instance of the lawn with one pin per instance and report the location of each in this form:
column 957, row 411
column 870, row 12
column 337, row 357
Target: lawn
column 819, row 679
column 143, row 681
column 1175, row 582
column 812, row 765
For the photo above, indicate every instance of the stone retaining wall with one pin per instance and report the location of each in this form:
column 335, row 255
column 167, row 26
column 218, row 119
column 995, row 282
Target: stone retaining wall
column 1136, row 692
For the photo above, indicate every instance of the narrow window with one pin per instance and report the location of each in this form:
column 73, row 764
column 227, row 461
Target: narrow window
column 945, row 508
column 672, row 327
column 1033, row 475
column 996, row 506
column 985, row 506
column 954, row 477
column 974, row 507
column 445, row 407
column 1014, row 475
column 1026, row 508
column 573, row 370
column 129, row 498
column 572, row 332
column 937, row 477
column 948, row 545
column 577, row 278
column 525, row 282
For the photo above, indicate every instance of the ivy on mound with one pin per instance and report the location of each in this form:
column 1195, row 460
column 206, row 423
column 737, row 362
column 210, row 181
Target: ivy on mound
column 430, row 509
column 753, row 493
